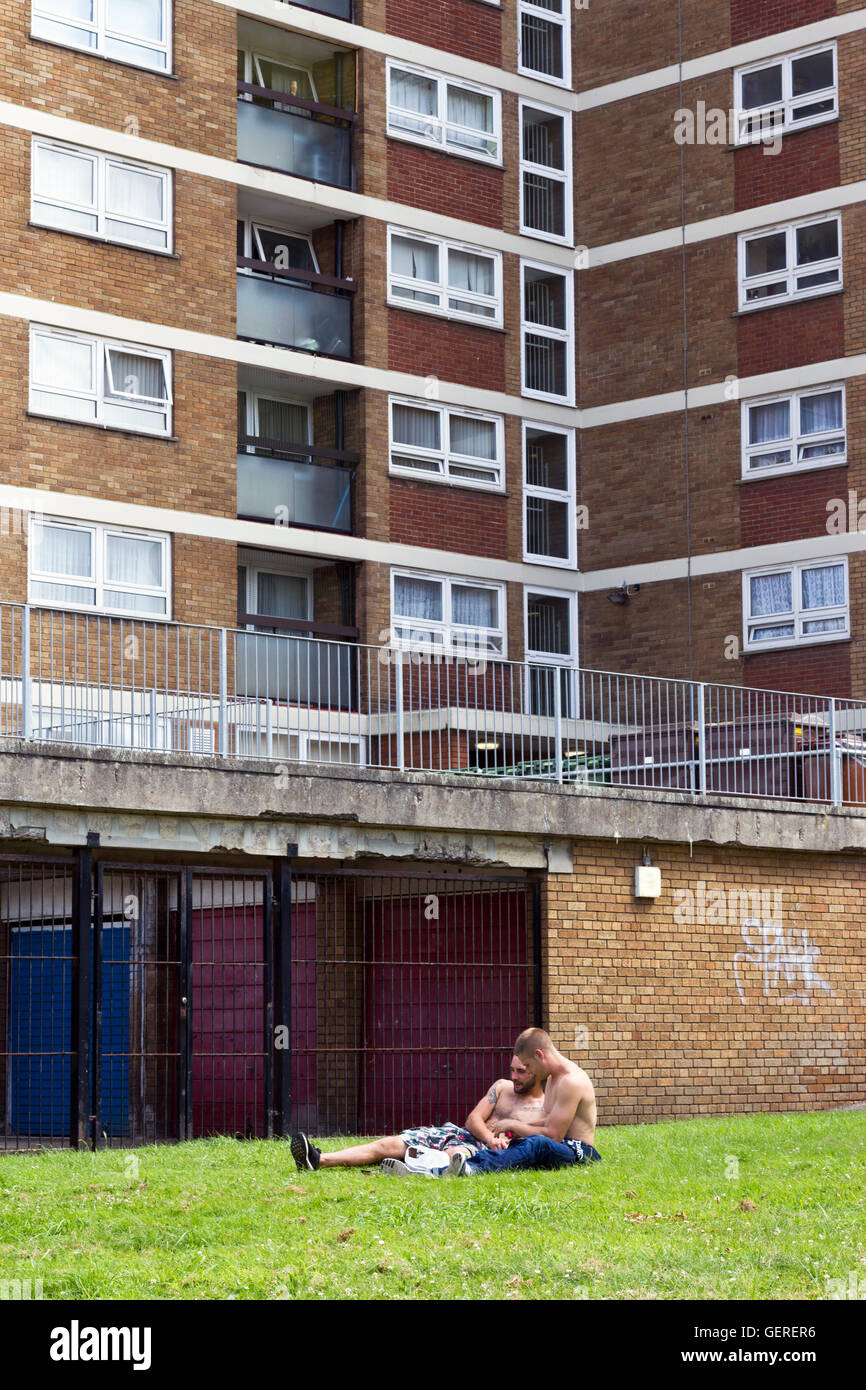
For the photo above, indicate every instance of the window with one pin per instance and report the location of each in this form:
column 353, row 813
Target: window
column 544, row 40
column 545, row 162
column 272, row 418
column 132, row 31
column 435, row 612
column 268, row 589
column 278, row 246
column 434, row 110
column 802, row 430
column 99, row 382
column 788, row 94
column 550, row 641
column 436, row 441
column 791, row 262
column 800, row 603
column 444, row 277
column 77, row 190
column 277, row 76
column 75, row 565
column 546, row 302
column 549, row 521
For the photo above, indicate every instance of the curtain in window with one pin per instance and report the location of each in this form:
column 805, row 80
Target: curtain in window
column 62, row 550
column 769, row 422
column 65, row 177
column 417, row 260
column 131, row 375
column 418, row 428
column 133, row 560
column 820, row 413
column 468, row 272
column 134, row 193
column 281, row 595
column 771, row 593
column 471, row 109
column 824, row 588
column 412, row 92
column 475, row 438
column 141, row 19
column 474, row 608
column 63, row 362
column 282, row 420
column 417, row 598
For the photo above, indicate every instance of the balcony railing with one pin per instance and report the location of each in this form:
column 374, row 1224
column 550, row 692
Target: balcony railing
column 296, row 484
column 312, row 140
column 292, row 308
column 340, row 9
column 134, row 683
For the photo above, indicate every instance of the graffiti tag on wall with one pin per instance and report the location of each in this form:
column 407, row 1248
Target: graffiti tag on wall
column 778, row 960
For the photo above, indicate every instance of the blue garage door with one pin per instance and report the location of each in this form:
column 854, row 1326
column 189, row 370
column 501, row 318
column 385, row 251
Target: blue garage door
column 40, row 1022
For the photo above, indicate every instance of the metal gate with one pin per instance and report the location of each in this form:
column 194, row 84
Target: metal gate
column 143, row 1004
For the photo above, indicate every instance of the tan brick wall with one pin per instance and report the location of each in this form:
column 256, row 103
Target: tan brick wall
column 668, row 1034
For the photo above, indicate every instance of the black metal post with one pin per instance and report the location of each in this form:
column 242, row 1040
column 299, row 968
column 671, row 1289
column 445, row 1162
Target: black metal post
column 81, row 950
column 281, row 1033
column 96, row 1062
column 268, row 1012
column 537, row 970
column 184, row 1031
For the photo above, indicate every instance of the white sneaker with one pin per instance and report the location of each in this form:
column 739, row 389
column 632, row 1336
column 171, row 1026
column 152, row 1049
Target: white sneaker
column 431, row 1162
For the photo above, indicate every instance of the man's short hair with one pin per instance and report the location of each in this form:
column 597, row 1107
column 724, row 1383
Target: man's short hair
column 532, row 1040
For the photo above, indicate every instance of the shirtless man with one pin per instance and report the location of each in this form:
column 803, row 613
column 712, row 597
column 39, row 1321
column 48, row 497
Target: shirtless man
column 561, row 1134
column 507, row 1103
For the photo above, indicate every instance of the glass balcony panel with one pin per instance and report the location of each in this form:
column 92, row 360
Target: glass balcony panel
column 295, row 492
column 297, row 144
column 273, row 311
column 295, row 670
column 340, row 9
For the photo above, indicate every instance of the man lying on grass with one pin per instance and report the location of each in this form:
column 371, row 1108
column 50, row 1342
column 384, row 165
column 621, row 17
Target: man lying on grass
column 505, row 1104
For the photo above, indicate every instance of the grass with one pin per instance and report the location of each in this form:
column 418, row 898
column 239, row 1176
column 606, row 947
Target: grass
column 766, row 1206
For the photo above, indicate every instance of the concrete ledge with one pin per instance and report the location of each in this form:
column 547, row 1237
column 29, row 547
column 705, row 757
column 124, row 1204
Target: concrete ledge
column 135, row 797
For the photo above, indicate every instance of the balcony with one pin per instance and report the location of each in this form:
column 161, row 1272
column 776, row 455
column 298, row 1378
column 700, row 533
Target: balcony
column 295, row 308
column 338, row 9
column 313, row 140
column 285, row 694
column 298, row 484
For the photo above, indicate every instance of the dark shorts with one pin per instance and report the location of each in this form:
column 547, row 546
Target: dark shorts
column 583, row 1153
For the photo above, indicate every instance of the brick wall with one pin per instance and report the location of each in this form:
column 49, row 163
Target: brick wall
column 655, row 984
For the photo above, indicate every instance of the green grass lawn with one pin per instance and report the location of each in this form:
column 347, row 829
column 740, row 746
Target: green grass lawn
column 767, row 1206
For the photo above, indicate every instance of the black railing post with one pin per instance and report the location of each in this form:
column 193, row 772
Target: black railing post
column 80, row 1117
column 184, row 1031
column 96, row 1062
column 269, row 1038
column 537, row 968
column 281, row 1031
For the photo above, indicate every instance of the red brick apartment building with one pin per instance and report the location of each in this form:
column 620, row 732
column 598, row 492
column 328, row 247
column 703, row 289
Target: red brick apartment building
column 431, row 576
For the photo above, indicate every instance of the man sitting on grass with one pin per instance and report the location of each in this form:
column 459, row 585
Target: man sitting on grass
column 506, row 1104
column 564, row 1131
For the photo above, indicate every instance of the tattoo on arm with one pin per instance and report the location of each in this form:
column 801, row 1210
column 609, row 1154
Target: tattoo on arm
column 493, row 1093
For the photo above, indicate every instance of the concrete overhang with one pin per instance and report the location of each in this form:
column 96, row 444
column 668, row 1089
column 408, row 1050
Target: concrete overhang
column 56, row 793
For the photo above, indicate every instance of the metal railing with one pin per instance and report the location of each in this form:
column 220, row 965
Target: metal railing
column 268, row 693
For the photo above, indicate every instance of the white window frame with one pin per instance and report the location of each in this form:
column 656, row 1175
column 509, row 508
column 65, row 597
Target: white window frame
column 102, row 163
column 41, row 12
column 563, row 21
column 101, row 374
column 441, row 287
column 99, row 534
column 562, row 176
column 267, row 564
column 797, row 615
column 533, row 657
column 253, row 225
column 436, row 137
column 778, row 117
column 796, row 439
column 450, row 633
column 253, row 59
column 566, row 496
column 560, row 335
column 254, row 395
column 444, row 457
column 791, row 271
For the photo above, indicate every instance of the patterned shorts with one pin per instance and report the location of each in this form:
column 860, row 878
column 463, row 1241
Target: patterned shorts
column 438, row 1137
